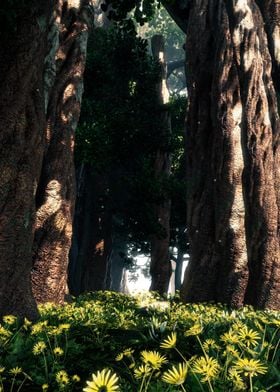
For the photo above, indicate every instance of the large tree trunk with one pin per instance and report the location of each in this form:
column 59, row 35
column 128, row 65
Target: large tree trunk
column 232, row 157
column 22, row 120
column 160, row 268
column 56, row 190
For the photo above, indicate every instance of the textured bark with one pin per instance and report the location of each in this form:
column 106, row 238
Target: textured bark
column 22, row 120
column 232, row 157
column 56, row 191
column 160, row 268
column 92, row 244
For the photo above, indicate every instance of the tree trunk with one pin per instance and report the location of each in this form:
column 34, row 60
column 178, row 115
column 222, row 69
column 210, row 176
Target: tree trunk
column 160, row 268
column 179, row 269
column 56, row 191
column 232, row 157
column 92, row 244
column 99, row 248
column 117, row 262
column 22, row 120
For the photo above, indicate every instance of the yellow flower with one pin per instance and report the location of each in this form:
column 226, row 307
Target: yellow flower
column 153, row 359
column 26, row 323
column 128, row 352
column 64, row 327
column 62, row 377
column 119, row 357
column 4, row 333
column 45, row 387
column 39, row 347
column 231, row 351
column 230, row 337
column 196, row 329
column 58, row 351
column 38, row 327
column 142, row 371
column 2, row 369
column 176, row 375
column 104, row 381
column 170, row 341
column 9, row 319
column 248, row 336
column 55, row 331
column 249, row 367
column 238, row 384
column 16, row 370
column 207, row 367
column 76, row 378
column 210, row 343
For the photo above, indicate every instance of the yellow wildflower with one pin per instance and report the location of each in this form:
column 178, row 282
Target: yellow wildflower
column 39, row 347
column 249, row 367
column 62, row 377
column 104, row 381
column 230, row 337
column 170, row 341
column 58, row 351
column 210, row 343
column 4, row 333
column 176, row 375
column 153, row 359
column 248, row 336
column 238, row 383
column 16, row 370
column 207, row 367
column 142, row 371
column 128, row 352
column 119, row 357
column 9, row 319
column 196, row 329
column 76, row 378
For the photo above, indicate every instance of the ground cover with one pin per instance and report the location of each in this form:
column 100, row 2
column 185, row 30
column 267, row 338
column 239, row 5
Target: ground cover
column 107, row 342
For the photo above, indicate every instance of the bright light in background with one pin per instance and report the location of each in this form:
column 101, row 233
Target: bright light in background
column 143, row 283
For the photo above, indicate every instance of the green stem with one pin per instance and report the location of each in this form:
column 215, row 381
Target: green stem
column 197, row 379
column 21, row 385
column 12, row 386
column 142, row 383
column 210, row 386
column 148, row 382
column 183, row 389
column 181, row 355
column 275, row 351
column 251, row 384
column 46, row 367
column 199, row 341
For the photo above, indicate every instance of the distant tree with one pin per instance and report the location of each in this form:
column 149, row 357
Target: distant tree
column 117, row 139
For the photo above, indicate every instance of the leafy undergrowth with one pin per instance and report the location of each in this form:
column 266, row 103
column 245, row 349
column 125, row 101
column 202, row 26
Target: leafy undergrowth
column 111, row 342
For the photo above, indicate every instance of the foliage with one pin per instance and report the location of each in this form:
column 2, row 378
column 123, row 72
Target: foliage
column 120, row 129
column 150, row 344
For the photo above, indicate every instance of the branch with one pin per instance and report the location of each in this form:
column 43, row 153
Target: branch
column 179, row 12
column 171, row 66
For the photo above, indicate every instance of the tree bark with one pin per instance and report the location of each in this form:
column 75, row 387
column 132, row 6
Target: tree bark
column 160, row 268
column 56, row 191
column 232, row 157
column 92, row 243
column 22, row 120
